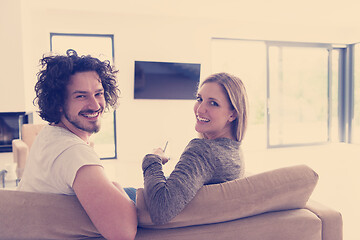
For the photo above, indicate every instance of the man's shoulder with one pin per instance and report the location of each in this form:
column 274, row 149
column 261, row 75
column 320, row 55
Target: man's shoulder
column 56, row 139
column 59, row 135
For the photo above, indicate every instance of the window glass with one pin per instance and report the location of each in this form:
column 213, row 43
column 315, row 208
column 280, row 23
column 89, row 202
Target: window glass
column 298, row 95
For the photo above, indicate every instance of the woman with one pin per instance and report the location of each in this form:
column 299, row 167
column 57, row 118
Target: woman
column 215, row 157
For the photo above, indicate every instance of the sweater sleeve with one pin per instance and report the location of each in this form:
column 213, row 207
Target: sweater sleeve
column 166, row 198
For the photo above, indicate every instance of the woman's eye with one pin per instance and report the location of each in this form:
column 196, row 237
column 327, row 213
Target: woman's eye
column 198, row 99
column 214, row 103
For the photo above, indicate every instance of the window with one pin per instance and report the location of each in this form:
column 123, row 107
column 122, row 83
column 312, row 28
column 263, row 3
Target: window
column 102, row 47
column 298, row 95
column 355, row 133
column 293, row 89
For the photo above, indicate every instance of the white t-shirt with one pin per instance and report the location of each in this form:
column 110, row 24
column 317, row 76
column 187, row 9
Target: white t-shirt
column 54, row 159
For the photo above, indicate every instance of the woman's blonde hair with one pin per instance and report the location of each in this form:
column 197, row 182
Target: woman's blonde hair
column 236, row 92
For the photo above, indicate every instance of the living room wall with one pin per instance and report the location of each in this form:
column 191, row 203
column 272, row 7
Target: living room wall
column 148, row 30
column 141, row 125
column 11, row 62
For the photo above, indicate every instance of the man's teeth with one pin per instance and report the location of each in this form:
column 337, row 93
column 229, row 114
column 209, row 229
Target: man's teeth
column 95, row 114
column 203, row 119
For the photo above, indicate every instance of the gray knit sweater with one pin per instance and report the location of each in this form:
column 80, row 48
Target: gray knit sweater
column 203, row 162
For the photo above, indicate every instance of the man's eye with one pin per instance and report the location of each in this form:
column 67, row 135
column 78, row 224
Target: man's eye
column 80, row 96
column 100, row 94
column 198, row 99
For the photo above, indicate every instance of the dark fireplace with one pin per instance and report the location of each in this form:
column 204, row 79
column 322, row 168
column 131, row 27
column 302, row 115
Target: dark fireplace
column 10, row 128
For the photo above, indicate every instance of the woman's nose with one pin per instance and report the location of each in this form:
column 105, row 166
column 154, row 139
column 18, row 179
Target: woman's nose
column 201, row 108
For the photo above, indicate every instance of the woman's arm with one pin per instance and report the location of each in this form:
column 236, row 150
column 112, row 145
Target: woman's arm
column 166, row 198
column 107, row 205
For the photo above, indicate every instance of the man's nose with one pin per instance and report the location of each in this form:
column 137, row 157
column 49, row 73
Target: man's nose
column 94, row 103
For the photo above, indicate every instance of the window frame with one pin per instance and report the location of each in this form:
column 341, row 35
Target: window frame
column 111, row 36
column 326, row 46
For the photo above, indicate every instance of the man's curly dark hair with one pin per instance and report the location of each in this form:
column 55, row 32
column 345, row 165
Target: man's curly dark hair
column 55, row 75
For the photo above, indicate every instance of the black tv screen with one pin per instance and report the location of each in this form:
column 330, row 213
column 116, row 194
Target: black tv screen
column 166, row 80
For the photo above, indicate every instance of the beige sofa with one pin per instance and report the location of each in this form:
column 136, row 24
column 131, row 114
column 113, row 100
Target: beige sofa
column 268, row 206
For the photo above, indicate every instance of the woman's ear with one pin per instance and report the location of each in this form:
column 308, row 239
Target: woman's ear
column 233, row 116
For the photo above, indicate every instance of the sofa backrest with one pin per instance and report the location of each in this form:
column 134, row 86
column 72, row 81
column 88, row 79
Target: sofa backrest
column 29, row 215
column 280, row 189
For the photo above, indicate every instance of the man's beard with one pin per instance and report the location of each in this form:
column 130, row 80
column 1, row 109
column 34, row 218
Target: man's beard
column 78, row 124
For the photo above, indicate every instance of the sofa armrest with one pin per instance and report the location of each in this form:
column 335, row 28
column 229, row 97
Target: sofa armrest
column 332, row 225
column 276, row 190
column 20, row 150
column 20, row 153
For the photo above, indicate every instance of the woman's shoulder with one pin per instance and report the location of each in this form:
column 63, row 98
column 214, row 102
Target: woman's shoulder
column 215, row 142
column 197, row 143
column 215, row 146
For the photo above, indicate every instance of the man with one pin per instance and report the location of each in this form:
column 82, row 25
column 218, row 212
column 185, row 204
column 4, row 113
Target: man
column 72, row 93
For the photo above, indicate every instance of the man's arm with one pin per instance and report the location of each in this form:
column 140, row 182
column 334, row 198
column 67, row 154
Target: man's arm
column 109, row 207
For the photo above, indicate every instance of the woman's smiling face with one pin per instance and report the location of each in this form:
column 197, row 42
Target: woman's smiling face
column 213, row 112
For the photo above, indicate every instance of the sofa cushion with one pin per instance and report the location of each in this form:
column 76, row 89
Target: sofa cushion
column 280, row 189
column 298, row 224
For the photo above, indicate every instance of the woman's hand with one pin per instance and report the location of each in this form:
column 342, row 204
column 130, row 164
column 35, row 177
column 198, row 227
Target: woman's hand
column 161, row 154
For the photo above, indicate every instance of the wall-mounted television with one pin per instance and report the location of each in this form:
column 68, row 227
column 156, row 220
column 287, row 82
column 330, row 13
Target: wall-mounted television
column 166, row 80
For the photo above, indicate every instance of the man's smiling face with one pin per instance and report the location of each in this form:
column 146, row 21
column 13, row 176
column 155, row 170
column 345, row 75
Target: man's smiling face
column 84, row 104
